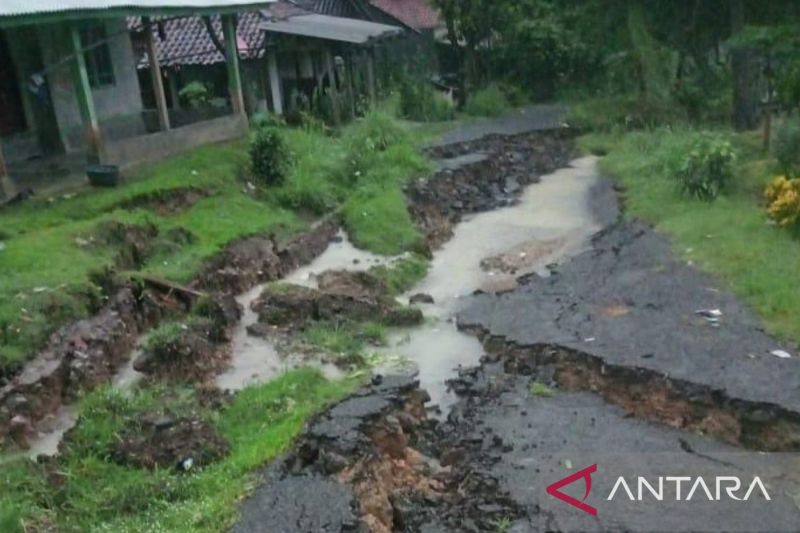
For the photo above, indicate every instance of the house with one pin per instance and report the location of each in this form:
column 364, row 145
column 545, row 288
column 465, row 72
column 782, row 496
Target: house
column 70, row 93
column 288, row 58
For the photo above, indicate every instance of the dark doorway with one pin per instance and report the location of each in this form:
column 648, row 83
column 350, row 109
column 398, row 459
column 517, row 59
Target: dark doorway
column 12, row 114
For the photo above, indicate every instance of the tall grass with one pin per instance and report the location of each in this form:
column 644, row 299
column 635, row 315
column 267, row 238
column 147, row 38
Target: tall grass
column 730, row 237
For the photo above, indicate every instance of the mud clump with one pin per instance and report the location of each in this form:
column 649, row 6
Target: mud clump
column 253, row 260
column 162, row 441
column 340, row 296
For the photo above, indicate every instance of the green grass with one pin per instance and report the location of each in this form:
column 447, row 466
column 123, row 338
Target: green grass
column 729, row 237
column 346, row 339
column 39, row 294
column 362, row 169
column 540, row 389
column 487, row 102
column 377, row 219
column 403, row 273
column 99, row 495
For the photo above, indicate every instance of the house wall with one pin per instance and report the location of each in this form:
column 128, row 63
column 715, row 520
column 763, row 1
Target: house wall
column 118, row 106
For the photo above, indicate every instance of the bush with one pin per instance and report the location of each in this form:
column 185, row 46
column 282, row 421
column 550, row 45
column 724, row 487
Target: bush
column 707, row 168
column 376, row 133
column 195, row 94
column 269, row 158
column 265, row 119
column 488, row 102
column 783, row 202
column 420, row 102
column 787, row 147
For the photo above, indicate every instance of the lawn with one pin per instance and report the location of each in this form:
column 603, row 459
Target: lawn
column 730, row 237
column 53, row 247
column 98, row 494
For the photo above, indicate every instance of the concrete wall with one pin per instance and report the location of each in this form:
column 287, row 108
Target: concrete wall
column 118, row 106
column 128, row 153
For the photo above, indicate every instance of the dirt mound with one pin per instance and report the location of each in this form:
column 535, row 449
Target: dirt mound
column 163, row 441
column 80, row 356
column 341, row 296
column 253, row 260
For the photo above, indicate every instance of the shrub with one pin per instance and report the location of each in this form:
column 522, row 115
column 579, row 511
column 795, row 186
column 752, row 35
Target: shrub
column 195, row 94
column 707, row 167
column 626, row 112
column 269, row 158
column 419, row 101
column 783, row 202
column 265, row 119
column 787, row 147
column 487, row 102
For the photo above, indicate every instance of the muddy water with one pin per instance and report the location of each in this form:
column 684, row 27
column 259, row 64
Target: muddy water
column 488, row 251
column 551, row 222
column 255, row 359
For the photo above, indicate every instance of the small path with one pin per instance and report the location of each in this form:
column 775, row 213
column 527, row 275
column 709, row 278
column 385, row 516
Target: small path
column 521, row 120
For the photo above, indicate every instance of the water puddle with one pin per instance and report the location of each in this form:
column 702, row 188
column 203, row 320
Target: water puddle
column 488, row 251
column 256, row 359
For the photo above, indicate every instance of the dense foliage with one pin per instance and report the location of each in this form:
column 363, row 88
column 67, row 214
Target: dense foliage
column 269, row 157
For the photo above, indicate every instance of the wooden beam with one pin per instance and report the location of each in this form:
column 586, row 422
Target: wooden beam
column 373, row 97
column 83, row 91
column 334, row 92
column 275, row 81
column 232, row 62
column 155, row 74
column 7, row 188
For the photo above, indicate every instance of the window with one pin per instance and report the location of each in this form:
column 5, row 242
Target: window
column 97, row 55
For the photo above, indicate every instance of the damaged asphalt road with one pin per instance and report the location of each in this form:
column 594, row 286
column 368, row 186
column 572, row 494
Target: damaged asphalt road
column 605, row 362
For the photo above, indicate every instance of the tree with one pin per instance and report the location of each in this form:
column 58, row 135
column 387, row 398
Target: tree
column 472, row 24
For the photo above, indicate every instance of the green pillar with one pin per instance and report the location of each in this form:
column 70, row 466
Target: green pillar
column 232, row 62
column 83, row 92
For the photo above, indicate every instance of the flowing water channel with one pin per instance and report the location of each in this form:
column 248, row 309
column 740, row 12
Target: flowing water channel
column 487, row 252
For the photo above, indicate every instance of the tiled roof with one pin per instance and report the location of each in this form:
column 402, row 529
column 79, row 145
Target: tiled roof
column 417, row 14
column 185, row 40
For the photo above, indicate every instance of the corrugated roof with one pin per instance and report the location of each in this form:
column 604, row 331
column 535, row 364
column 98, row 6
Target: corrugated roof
column 20, row 8
column 331, row 28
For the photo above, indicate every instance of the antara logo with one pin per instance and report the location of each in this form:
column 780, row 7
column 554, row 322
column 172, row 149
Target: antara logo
column 679, row 488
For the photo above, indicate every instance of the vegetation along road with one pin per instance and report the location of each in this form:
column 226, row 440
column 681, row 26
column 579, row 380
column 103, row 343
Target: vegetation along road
column 555, row 290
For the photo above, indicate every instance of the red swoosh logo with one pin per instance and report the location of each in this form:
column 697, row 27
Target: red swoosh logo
column 585, row 474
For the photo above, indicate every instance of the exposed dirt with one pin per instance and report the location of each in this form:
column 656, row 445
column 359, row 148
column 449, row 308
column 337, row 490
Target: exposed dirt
column 380, row 446
column 481, row 175
column 341, row 296
column 80, row 356
column 166, row 202
column 159, row 440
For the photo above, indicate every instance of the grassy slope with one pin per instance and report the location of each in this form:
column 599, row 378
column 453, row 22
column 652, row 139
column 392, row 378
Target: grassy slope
column 43, row 271
column 38, row 293
column 730, row 237
column 100, row 495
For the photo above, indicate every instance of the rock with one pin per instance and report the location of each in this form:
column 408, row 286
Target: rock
column 421, row 298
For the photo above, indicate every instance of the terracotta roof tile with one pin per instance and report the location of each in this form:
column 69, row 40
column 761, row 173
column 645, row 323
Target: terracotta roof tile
column 417, row 14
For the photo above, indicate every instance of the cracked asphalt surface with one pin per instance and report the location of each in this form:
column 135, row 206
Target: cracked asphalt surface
column 627, row 301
